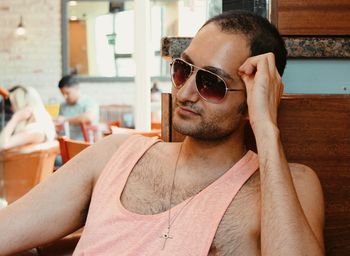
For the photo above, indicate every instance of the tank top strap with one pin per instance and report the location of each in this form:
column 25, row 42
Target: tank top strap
column 121, row 163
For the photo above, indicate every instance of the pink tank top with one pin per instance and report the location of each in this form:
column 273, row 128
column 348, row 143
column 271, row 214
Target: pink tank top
column 113, row 230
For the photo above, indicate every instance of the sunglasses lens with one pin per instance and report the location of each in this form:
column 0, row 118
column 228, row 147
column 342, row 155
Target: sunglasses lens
column 210, row 87
column 180, row 71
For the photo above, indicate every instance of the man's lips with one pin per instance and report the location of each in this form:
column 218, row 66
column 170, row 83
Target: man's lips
column 186, row 111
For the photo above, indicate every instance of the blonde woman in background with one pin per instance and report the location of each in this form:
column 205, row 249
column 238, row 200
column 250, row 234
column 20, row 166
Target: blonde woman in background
column 30, row 123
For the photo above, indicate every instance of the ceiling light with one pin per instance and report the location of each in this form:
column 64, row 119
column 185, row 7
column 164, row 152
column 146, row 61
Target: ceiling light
column 20, row 30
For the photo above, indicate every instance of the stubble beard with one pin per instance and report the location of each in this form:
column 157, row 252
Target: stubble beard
column 209, row 130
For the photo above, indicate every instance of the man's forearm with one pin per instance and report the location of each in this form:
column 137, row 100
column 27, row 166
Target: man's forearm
column 284, row 227
column 85, row 117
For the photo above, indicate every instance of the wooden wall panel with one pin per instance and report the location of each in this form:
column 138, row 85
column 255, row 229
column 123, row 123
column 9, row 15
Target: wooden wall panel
column 315, row 130
column 313, row 17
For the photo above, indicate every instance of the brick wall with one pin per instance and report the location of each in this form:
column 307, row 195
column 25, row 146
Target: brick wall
column 34, row 60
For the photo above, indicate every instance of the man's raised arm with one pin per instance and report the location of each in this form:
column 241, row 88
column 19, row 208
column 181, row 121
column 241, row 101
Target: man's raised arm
column 292, row 213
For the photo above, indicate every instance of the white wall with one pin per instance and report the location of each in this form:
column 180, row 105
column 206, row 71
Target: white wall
column 36, row 59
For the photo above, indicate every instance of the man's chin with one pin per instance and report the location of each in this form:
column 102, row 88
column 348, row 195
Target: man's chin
column 72, row 102
column 180, row 129
column 189, row 130
column 200, row 133
column 185, row 127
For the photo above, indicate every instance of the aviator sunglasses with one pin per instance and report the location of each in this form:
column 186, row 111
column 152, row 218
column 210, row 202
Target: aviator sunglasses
column 209, row 85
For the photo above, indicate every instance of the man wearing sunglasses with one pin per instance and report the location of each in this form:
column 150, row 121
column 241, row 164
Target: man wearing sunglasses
column 205, row 196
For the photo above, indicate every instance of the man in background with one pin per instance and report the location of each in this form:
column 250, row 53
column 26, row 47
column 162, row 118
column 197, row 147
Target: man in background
column 76, row 109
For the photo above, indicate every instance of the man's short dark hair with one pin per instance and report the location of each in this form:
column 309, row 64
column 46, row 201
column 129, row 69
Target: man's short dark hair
column 67, row 81
column 262, row 35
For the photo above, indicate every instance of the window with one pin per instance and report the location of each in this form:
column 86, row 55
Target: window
column 100, row 34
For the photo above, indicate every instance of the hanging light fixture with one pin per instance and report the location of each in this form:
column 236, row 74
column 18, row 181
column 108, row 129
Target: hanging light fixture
column 72, row 3
column 20, row 30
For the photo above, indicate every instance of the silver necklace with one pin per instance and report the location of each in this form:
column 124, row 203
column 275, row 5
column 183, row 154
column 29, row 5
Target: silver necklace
column 166, row 235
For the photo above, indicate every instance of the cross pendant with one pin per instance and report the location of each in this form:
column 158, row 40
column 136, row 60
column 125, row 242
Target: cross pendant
column 166, row 236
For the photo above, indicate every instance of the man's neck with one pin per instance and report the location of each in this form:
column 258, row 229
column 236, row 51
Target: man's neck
column 212, row 158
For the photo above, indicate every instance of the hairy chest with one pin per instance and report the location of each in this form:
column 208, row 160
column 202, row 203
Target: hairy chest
column 239, row 230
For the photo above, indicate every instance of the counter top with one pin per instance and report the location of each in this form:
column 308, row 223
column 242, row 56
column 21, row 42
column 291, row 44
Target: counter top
column 297, row 47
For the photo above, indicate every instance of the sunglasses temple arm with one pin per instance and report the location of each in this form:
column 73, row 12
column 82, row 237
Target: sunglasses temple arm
column 235, row 90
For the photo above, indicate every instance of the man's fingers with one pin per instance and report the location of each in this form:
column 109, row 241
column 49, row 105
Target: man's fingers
column 262, row 69
column 271, row 63
column 247, row 68
column 259, row 63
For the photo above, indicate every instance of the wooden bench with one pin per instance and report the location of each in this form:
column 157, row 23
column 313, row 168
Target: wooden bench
column 315, row 131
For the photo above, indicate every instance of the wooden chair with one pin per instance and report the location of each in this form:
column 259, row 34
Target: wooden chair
column 90, row 131
column 315, row 130
column 69, row 148
column 121, row 130
column 156, row 125
column 4, row 92
column 106, row 127
column 23, row 167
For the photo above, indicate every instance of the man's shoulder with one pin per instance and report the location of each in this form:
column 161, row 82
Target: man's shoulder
column 302, row 174
column 308, row 188
column 101, row 152
column 116, row 140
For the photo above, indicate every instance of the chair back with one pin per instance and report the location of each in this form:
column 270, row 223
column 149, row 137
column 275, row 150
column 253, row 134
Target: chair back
column 23, row 167
column 121, row 130
column 156, row 126
column 315, row 130
column 90, row 132
column 69, row 148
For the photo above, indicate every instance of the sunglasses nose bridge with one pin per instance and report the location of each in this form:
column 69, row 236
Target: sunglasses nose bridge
column 192, row 72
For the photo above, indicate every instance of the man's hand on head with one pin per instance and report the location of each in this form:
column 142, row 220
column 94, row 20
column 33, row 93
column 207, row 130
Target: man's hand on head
column 288, row 212
column 264, row 89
